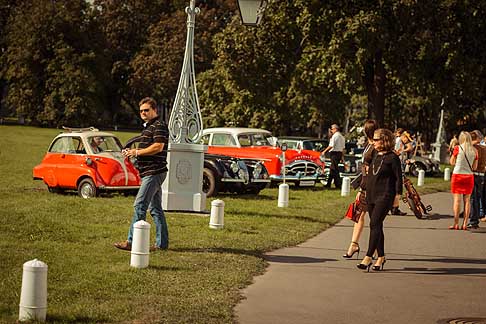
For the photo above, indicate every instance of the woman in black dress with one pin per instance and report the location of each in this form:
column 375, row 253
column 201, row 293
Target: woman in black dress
column 384, row 181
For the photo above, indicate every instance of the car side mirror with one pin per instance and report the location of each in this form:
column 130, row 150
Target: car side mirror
column 283, row 147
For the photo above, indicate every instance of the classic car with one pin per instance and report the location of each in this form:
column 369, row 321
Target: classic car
column 226, row 174
column 416, row 163
column 299, row 168
column 352, row 162
column 86, row 160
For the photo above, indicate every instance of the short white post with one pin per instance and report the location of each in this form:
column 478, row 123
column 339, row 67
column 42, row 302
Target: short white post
column 346, row 186
column 217, row 214
column 283, row 195
column 140, row 245
column 447, row 174
column 421, row 176
column 33, row 297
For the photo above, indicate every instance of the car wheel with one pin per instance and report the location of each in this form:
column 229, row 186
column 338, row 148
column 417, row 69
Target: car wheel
column 87, row 189
column 414, row 168
column 209, row 183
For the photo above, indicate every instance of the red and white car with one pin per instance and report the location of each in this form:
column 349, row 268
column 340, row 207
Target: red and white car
column 300, row 168
column 72, row 163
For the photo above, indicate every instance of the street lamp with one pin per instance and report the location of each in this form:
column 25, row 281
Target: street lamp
column 182, row 189
column 251, row 11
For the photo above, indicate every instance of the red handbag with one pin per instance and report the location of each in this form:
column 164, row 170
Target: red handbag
column 354, row 212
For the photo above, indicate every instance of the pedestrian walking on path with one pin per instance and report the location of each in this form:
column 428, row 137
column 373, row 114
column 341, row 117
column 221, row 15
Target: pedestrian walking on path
column 384, row 182
column 369, row 152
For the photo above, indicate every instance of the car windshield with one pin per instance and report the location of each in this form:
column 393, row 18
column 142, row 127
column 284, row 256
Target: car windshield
column 255, row 139
column 105, row 143
column 315, row 145
column 291, row 144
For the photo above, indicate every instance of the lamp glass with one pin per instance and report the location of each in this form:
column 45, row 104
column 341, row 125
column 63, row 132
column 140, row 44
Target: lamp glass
column 250, row 11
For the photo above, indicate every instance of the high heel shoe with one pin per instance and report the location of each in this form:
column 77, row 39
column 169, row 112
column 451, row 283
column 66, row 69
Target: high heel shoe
column 381, row 266
column 454, row 227
column 349, row 256
column 363, row 266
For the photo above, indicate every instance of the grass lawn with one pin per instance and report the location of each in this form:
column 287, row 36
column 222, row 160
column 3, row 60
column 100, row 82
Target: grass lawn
column 89, row 281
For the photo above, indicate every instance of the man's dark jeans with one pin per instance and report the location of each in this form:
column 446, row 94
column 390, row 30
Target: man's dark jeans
column 477, row 200
column 334, row 169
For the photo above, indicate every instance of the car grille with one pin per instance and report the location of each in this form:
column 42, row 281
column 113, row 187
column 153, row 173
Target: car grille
column 301, row 168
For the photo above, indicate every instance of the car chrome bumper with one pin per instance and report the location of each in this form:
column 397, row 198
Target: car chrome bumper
column 297, row 178
column 243, row 181
column 118, row 187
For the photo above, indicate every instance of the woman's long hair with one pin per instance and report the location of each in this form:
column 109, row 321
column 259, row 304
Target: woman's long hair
column 466, row 143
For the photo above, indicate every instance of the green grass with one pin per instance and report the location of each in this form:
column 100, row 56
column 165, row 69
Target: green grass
column 89, row 281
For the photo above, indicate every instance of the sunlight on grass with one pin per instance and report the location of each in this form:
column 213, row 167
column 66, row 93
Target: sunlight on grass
column 90, row 281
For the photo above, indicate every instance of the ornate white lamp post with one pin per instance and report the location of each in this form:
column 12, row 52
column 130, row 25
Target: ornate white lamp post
column 439, row 148
column 182, row 190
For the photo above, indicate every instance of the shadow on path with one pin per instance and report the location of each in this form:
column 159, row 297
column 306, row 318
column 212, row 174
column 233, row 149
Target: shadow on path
column 295, row 259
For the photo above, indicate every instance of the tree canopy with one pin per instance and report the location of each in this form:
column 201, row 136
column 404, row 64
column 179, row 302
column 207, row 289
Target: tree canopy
column 307, row 65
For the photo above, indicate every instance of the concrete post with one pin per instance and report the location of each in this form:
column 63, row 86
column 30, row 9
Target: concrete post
column 217, row 214
column 33, row 296
column 447, row 174
column 283, row 195
column 421, row 176
column 140, row 245
column 346, row 186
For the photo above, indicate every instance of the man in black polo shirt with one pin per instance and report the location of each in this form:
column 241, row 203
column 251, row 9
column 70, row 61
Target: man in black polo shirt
column 152, row 165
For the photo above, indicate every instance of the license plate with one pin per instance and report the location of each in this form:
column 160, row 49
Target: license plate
column 307, row 183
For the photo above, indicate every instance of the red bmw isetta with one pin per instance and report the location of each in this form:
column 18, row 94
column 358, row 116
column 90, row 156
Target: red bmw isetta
column 86, row 160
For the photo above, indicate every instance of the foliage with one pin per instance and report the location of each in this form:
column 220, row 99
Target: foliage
column 404, row 56
column 309, row 64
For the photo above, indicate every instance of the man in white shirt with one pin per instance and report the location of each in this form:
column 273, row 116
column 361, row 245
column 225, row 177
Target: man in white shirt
column 336, row 150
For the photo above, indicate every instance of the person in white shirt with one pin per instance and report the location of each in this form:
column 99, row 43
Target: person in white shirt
column 335, row 149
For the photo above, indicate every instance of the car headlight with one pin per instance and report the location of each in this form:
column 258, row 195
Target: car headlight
column 347, row 166
column 234, row 167
column 243, row 174
column 257, row 170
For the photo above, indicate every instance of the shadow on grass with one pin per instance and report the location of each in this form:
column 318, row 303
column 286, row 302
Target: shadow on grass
column 163, row 268
column 245, row 196
column 81, row 319
column 258, row 254
column 268, row 215
column 295, row 259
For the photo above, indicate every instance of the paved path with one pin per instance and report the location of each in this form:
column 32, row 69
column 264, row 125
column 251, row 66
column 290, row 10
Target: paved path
column 432, row 275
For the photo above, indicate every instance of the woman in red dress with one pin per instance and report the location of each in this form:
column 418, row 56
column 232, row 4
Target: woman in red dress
column 464, row 159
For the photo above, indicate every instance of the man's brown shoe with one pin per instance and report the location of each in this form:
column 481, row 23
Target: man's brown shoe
column 127, row 246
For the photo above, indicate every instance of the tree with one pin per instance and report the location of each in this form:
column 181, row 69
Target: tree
column 50, row 68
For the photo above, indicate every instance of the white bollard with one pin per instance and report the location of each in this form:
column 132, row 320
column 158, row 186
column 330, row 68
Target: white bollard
column 140, row 245
column 33, row 297
column 346, row 186
column 217, row 214
column 283, row 195
column 421, row 176
column 447, row 174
